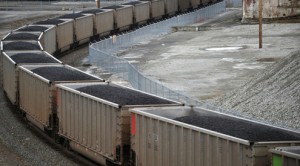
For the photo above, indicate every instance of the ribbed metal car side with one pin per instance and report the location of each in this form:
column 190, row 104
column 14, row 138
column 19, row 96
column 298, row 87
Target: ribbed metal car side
column 171, row 7
column 195, row 3
column 95, row 127
column 141, row 12
column 64, row 29
column 1, row 64
column 38, row 95
column 103, row 21
column 157, row 140
column 184, row 5
column 35, row 97
column 48, row 40
column 157, row 9
column 83, row 28
column 65, row 34
column 123, row 17
column 286, row 156
column 9, row 78
column 10, row 73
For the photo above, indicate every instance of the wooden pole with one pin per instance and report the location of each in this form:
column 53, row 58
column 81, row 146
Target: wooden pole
column 260, row 22
column 97, row 3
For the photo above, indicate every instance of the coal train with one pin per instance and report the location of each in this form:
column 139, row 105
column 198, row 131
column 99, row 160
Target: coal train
column 106, row 122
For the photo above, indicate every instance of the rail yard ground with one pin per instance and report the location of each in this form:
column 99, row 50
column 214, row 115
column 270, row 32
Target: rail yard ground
column 212, row 63
column 217, row 59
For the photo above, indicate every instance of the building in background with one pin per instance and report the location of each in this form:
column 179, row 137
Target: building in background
column 272, row 9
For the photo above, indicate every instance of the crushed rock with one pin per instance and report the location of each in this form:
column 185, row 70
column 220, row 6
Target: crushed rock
column 272, row 96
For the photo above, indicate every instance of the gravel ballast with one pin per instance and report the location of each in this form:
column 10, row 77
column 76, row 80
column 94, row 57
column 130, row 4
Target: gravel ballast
column 246, row 130
column 62, row 74
column 25, row 146
column 20, row 45
column 122, row 96
column 273, row 95
column 32, row 58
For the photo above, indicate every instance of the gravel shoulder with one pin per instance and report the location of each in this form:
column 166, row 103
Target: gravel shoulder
column 20, row 145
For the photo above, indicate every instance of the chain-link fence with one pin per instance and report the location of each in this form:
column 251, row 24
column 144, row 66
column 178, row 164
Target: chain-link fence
column 104, row 53
column 234, row 3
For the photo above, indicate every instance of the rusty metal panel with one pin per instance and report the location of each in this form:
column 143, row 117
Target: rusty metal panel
column 48, row 40
column 171, row 7
column 157, row 9
column 156, row 139
column 195, row 3
column 95, row 124
column 184, row 5
column 83, row 28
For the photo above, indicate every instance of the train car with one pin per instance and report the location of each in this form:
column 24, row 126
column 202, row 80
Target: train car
column 83, row 26
column 103, row 21
column 48, row 37
column 19, row 36
column 157, row 9
column 15, row 45
column 205, row 2
column 102, row 134
column 37, row 91
column 141, row 11
column 286, row 156
column 195, row 3
column 20, row 45
column 48, row 40
column 196, row 136
column 183, row 5
column 122, row 16
column 171, row 7
column 11, row 61
column 64, row 32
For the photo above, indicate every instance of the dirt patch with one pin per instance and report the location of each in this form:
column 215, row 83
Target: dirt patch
column 268, row 60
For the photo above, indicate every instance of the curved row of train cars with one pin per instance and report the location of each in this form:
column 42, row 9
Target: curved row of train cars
column 116, row 125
